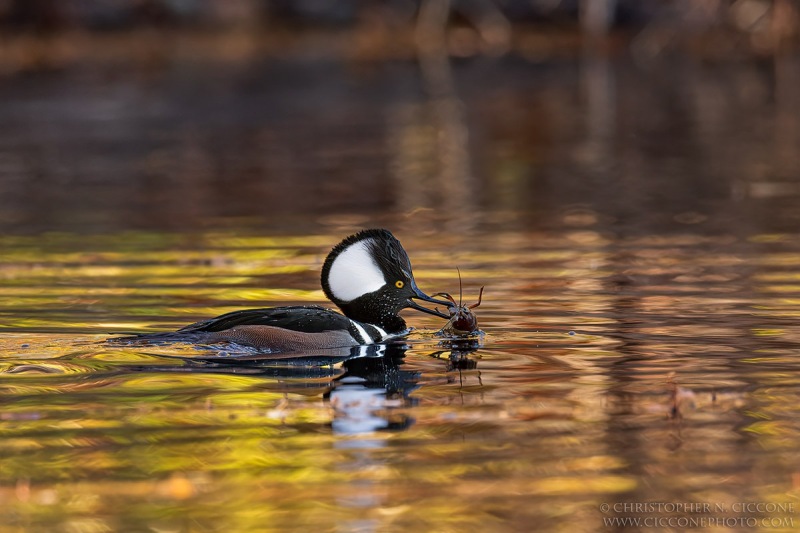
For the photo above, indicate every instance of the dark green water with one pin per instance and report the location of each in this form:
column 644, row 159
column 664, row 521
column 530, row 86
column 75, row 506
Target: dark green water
column 638, row 242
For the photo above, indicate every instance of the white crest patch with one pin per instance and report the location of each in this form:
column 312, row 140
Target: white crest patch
column 354, row 273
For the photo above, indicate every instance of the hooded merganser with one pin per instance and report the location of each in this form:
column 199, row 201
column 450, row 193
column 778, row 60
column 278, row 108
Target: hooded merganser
column 367, row 275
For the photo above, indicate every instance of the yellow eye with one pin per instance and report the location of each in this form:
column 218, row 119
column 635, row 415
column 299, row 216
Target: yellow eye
column 399, row 284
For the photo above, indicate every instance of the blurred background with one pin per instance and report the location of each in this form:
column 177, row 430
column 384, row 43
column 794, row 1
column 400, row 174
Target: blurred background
column 281, row 115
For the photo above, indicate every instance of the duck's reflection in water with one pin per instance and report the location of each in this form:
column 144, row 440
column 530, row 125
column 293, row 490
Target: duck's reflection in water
column 368, row 387
column 371, row 393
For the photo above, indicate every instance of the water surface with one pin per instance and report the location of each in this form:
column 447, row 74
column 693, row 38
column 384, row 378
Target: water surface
column 642, row 369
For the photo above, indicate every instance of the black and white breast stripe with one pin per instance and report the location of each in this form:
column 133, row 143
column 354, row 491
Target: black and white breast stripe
column 367, row 333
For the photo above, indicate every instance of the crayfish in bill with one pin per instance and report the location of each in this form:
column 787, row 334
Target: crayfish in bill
column 463, row 321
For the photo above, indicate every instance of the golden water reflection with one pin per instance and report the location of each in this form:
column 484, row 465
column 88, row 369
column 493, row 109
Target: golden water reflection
column 613, row 370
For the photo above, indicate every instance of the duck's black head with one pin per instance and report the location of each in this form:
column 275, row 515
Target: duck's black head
column 368, row 275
